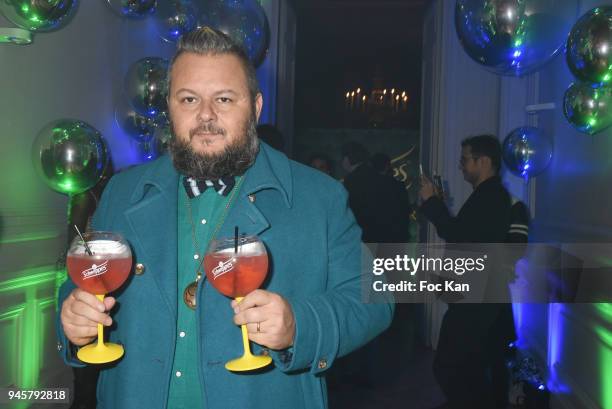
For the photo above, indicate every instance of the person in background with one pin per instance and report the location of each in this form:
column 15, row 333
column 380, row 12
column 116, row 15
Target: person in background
column 381, row 163
column 380, row 203
column 322, row 162
column 470, row 359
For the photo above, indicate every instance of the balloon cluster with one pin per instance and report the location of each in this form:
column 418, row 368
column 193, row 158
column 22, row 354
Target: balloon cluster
column 527, row 151
column 243, row 20
column 69, row 155
column 142, row 113
column 175, row 18
column 586, row 103
column 513, row 37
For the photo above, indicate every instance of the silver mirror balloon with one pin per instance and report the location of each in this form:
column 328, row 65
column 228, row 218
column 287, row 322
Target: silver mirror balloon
column 139, row 127
column 243, row 20
column 69, row 155
column 527, row 151
column 37, row 15
column 146, row 86
column 133, row 8
column 589, row 46
column 588, row 108
column 174, row 18
column 158, row 145
column 513, row 37
column 163, row 134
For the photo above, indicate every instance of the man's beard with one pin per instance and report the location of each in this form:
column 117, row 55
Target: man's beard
column 234, row 160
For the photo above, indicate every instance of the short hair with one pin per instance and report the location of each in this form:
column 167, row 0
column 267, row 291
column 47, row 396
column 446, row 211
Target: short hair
column 485, row 145
column 208, row 41
column 323, row 158
column 355, row 152
column 380, row 161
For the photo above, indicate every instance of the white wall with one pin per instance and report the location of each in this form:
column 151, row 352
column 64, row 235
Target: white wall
column 570, row 201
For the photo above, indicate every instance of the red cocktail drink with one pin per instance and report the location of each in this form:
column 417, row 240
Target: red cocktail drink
column 236, row 276
column 100, row 266
column 236, row 266
column 98, row 274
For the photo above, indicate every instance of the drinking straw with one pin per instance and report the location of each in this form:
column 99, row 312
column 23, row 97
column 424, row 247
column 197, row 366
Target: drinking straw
column 87, row 249
column 235, row 239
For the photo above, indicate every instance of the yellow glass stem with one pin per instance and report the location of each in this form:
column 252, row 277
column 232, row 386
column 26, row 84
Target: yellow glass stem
column 245, row 335
column 100, row 352
column 100, row 326
column 248, row 361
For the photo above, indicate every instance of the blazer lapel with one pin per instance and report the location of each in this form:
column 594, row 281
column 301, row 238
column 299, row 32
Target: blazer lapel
column 261, row 176
column 153, row 220
column 246, row 216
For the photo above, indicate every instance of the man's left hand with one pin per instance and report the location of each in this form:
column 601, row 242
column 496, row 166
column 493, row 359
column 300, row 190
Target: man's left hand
column 268, row 317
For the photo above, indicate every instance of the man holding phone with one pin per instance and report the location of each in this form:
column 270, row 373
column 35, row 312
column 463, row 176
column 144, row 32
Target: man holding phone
column 469, row 362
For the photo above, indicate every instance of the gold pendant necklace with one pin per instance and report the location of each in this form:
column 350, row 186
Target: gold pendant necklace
column 189, row 293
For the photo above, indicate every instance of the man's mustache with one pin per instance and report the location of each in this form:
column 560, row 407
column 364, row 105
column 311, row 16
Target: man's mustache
column 206, row 128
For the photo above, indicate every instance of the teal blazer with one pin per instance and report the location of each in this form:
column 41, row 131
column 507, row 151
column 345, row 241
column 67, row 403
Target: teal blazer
column 316, row 260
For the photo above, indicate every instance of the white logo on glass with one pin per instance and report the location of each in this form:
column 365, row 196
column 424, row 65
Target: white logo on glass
column 95, row 270
column 222, row 268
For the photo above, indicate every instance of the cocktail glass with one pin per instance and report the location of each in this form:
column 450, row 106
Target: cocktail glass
column 99, row 265
column 235, row 267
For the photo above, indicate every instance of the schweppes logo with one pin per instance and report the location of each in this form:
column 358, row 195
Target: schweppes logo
column 95, row 270
column 222, row 268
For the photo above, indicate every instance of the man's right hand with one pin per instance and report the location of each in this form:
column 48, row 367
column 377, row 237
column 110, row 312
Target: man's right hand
column 427, row 188
column 81, row 313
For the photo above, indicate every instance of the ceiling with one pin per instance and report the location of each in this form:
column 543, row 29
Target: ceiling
column 358, row 24
column 360, row 3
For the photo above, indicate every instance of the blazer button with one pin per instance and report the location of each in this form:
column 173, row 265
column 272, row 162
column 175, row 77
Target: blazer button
column 139, row 269
column 252, row 198
column 322, row 363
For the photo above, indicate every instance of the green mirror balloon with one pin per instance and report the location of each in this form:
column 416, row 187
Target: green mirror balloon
column 39, row 15
column 69, row 155
column 588, row 109
column 588, row 46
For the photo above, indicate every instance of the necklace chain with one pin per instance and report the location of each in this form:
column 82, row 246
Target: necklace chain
column 196, row 244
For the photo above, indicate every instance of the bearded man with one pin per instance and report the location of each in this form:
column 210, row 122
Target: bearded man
column 177, row 330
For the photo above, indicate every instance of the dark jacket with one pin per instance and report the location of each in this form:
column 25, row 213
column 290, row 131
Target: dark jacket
column 381, row 205
column 484, row 218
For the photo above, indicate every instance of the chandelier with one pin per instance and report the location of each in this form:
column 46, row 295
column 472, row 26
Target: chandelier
column 379, row 99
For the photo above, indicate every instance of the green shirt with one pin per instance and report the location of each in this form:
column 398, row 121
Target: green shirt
column 206, row 212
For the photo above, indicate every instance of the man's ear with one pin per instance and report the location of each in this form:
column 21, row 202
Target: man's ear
column 258, row 105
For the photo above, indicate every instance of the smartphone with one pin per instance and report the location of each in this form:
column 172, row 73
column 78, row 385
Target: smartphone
column 438, row 184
